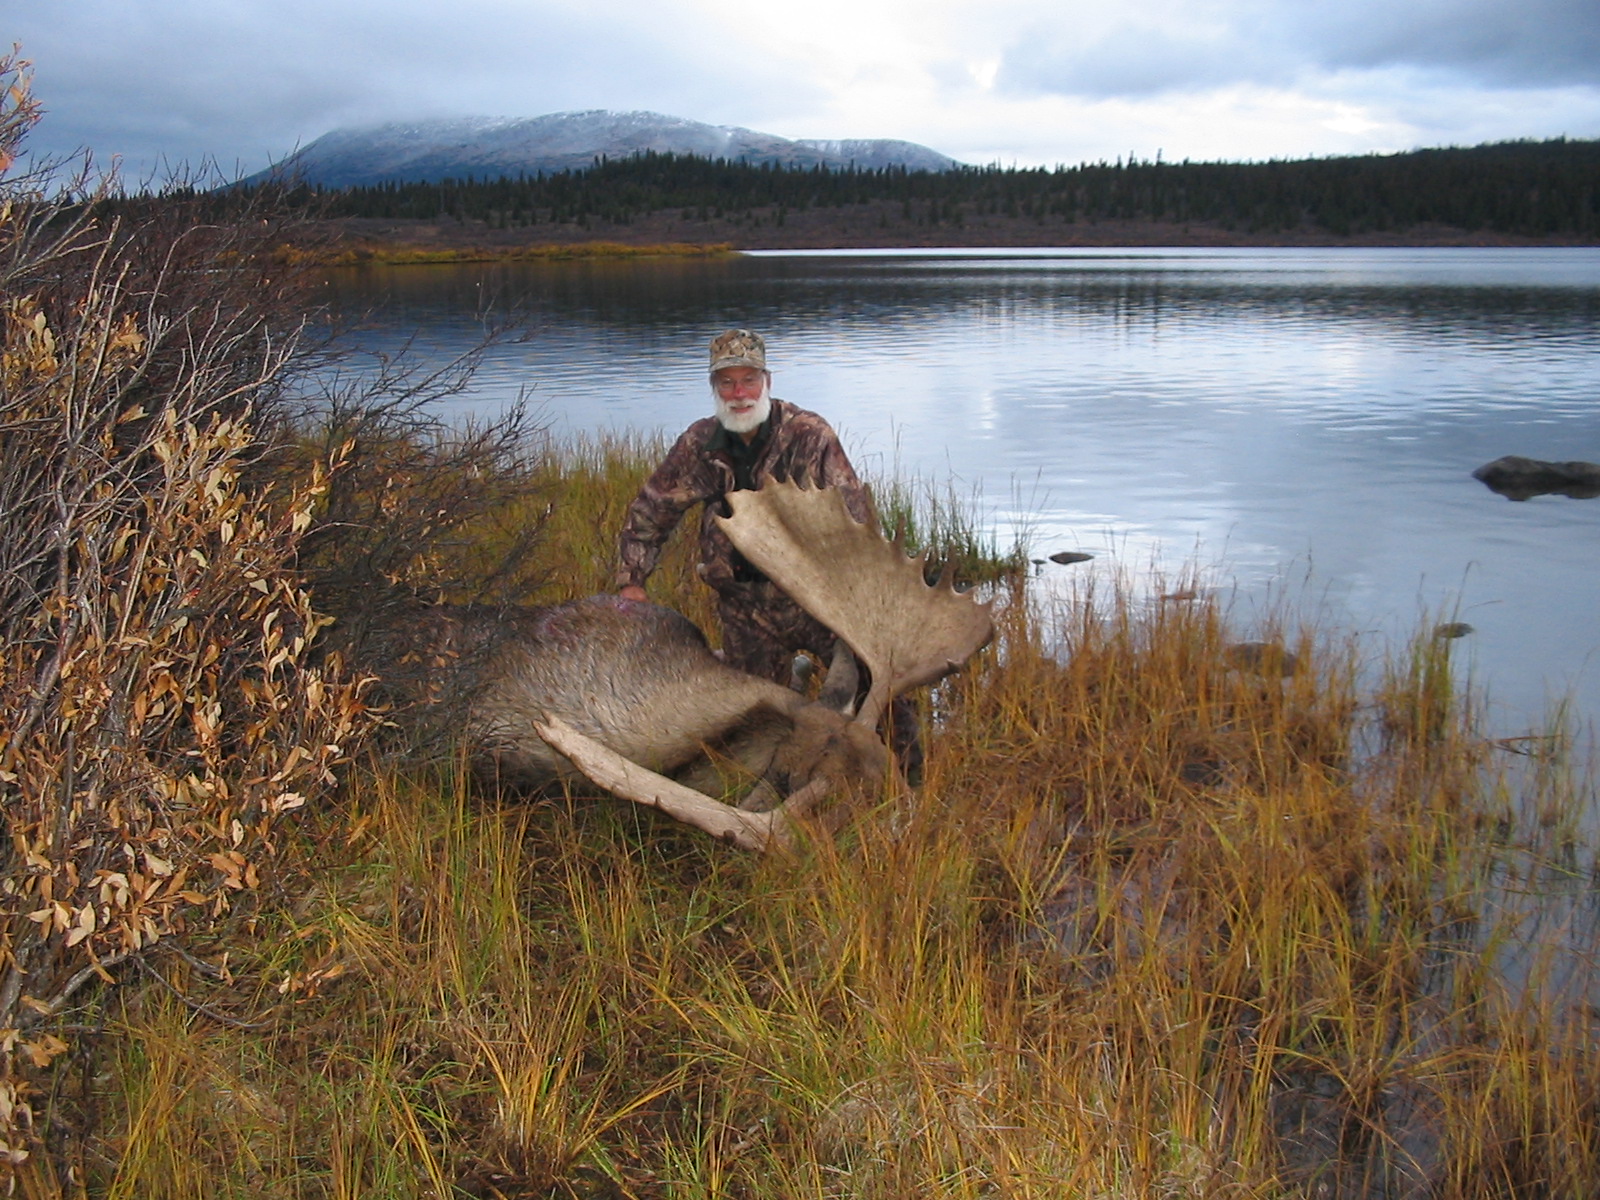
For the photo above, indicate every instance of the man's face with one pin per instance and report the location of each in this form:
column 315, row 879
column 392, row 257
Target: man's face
column 743, row 401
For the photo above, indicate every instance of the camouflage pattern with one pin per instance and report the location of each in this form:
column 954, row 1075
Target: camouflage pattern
column 699, row 469
column 762, row 628
column 738, row 348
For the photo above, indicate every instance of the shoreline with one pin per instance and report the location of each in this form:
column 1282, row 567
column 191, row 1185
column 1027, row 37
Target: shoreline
column 358, row 241
column 422, row 255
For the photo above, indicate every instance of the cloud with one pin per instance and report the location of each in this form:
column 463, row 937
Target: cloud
column 1144, row 48
column 246, row 82
column 1493, row 43
column 1026, row 81
column 1155, row 47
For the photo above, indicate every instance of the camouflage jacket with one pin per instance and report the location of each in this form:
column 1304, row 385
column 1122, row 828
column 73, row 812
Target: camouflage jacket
column 700, row 469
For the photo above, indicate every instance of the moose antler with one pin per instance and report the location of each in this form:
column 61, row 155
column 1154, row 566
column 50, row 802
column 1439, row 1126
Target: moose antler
column 747, row 830
column 865, row 589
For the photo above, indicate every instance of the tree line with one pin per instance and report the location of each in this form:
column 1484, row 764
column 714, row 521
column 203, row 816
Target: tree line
column 1528, row 188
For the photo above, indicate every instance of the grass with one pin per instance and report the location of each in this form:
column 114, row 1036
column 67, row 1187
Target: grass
column 937, row 521
column 1159, row 924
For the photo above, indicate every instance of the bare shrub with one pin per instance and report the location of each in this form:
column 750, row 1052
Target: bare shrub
column 161, row 707
column 417, row 512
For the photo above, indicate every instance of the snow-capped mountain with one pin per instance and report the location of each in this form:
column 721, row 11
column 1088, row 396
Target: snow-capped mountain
column 489, row 147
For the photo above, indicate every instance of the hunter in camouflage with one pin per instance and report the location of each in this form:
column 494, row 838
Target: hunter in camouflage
column 752, row 435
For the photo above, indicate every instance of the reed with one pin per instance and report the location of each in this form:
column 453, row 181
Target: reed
column 1163, row 920
column 932, row 518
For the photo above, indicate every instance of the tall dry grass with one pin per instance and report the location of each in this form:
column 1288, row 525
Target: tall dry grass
column 1168, row 917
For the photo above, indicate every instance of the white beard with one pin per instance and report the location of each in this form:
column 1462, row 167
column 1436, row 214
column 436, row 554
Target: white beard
column 744, row 422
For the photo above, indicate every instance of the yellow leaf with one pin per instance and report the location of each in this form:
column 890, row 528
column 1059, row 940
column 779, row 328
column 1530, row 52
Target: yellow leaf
column 45, row 1049
column 284, row 801
column 85, row 926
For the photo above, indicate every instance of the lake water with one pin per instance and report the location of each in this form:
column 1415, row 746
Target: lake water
column 1302, row 424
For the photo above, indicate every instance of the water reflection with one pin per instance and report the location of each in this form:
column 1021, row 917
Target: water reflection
column 1307, row 420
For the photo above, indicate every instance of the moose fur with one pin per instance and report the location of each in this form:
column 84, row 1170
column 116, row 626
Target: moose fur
column 641, row 680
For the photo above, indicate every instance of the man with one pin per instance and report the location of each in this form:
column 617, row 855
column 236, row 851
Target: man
column 751, row 435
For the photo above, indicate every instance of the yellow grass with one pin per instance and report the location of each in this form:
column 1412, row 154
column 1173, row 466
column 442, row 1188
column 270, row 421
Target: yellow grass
column 1154, row 926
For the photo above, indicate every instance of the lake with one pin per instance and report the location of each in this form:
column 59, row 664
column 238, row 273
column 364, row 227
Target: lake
column 1301, row 424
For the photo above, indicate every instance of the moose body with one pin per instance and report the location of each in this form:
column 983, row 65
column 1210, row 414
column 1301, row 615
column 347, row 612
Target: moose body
column 629, row 695
column 641, row 680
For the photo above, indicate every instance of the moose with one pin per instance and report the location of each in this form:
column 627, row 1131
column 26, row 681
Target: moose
column 629, row 695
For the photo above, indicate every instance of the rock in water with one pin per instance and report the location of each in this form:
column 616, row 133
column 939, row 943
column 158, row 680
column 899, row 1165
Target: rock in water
column 1519, row 478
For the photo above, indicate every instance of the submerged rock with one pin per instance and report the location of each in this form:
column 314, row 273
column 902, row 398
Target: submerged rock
column 1067, row 557
column 1518, row 478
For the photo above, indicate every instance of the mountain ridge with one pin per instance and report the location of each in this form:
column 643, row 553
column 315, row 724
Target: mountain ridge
column 491, row 147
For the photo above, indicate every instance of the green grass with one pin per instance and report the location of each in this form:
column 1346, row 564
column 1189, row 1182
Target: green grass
column 1153, row 927
column 936, row 521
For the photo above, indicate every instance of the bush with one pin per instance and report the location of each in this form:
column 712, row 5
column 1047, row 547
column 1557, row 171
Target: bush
column 162, row 705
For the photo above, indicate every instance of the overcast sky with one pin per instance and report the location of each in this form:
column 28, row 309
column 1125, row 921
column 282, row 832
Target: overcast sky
column 243, row 82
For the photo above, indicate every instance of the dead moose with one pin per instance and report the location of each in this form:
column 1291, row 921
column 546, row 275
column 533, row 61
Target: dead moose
column 629, row 695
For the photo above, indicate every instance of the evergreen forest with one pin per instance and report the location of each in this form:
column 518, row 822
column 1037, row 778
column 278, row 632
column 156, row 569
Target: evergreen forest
column 1521, row 188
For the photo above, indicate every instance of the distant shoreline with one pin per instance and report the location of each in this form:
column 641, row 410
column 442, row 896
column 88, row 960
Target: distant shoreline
column 355, row 241
column 401, row 253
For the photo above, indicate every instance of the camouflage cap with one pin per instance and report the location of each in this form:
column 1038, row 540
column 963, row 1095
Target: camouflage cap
column 738, row 348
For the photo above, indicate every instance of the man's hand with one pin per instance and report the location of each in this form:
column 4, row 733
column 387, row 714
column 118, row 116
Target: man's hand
column 632, row 593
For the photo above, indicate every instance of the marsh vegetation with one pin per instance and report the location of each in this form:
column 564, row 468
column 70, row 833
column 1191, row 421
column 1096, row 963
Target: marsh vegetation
column 1153, row 927
column 1164, row 919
